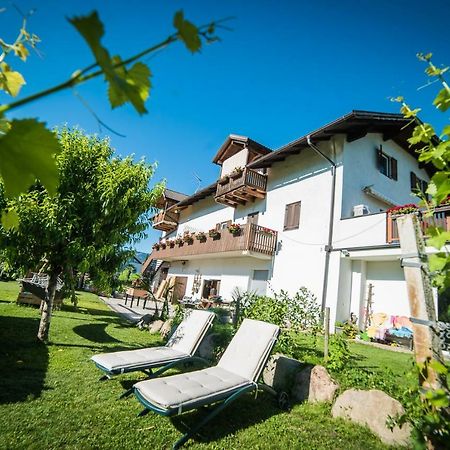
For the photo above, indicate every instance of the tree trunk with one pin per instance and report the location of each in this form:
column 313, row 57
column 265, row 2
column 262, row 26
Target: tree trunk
column 47, row 307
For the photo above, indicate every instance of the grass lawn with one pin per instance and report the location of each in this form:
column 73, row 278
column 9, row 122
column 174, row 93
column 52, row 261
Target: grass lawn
column 50, row 396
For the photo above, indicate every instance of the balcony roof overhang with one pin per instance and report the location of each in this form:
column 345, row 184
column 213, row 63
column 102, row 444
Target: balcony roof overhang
column 219, row 255
column 234, row 143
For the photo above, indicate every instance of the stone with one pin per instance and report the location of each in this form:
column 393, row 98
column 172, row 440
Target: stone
column 280, row 372
column 314, row 384
column 155, row 326
column 372, row 409
column 166, row 328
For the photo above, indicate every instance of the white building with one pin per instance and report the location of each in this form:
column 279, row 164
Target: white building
column 324, row 196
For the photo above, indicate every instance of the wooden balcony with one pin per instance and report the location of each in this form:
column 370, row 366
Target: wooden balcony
column 238, row 190
column 440, row 218
column 254, row 241
column 165, row 221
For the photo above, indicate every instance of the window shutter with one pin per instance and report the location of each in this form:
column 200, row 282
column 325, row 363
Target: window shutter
column 413, row 179
column 292, row 216
column 379, row 153
column 286, row 217
column 296, row 215
column 394, row 175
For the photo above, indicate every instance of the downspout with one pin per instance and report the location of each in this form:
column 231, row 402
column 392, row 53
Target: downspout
column 329, row 246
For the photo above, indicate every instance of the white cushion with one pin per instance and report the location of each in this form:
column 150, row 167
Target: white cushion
column 188, row 390
column 145, row 357
column 249, row 348
column 191, row 330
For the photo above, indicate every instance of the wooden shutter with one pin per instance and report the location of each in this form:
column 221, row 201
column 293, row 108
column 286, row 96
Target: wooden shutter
column 413, row 179
column 292, row 216
column 394, row 175
column 379, row 155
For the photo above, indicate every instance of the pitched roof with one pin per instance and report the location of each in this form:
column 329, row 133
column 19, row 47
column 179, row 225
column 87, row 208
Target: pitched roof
column 199, row 195
column 234, row 143
column 355, row 125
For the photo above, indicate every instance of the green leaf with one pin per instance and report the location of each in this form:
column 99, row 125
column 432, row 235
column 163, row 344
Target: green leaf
column 441, row 189
column 5, row 125
column 438, row 367
column 188, row 32
column 437, row 261
column 438, row 237
column 442, row 100
column 27, row 153
column 10, row 219
column 130, row 86
column 10, row 81
column 446, row 131
column 124, row 85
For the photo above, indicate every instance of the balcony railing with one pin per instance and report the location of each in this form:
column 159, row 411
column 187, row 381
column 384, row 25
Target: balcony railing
column 236, row 190
column 253, row 240
column 165, row 221
column 440, row 218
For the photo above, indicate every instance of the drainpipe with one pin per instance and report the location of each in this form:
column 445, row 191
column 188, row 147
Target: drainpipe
column 329, row 246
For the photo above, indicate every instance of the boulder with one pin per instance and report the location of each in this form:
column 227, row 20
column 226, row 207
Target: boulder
column 372, row 409
column 155, row 326
column 166, row 328
column 314, row 384
column 280, row 372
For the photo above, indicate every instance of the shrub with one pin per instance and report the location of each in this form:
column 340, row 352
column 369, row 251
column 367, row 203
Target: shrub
column 339, row 354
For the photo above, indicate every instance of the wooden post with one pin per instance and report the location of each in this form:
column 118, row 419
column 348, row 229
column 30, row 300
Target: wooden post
column 326, row 325
column 414, row 261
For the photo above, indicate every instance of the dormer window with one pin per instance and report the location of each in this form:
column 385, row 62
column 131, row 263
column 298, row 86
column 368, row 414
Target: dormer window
column 387, row 165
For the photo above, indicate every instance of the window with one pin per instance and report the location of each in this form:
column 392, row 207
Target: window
column 260, row 275
column 387, row 165
column 292, row 216
column 417, row 184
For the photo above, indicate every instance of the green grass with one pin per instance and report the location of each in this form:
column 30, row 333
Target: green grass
column 50, row 396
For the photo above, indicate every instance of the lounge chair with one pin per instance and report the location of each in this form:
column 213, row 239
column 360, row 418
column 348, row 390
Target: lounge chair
column 236, row 373
column 181, row 347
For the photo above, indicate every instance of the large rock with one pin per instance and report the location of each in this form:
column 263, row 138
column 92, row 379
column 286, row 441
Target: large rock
column 155, row 326
column 372, row 408
column 166, row 328
column 280, row 372
column 314, row 384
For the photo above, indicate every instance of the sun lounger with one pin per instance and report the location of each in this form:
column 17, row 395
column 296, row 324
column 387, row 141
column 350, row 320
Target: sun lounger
column 181, row 347
column 236, row 373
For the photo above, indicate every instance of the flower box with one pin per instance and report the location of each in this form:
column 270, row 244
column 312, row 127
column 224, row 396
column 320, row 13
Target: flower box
column 215, row 234
column 179, row 241
column 201, row 236
column 409, row 208
column 171, row 243
column 267, row 231
column 237, row 172
column 188, row 237
column 156, row 246
column 235, row 229
column 163, row 245
column 224, row 180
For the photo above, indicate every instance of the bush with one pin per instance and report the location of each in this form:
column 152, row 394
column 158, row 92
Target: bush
column 339, row 354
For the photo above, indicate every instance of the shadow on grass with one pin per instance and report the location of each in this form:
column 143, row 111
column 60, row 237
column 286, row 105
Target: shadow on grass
column 24, row 360
column 95, row 332
column 243, row 413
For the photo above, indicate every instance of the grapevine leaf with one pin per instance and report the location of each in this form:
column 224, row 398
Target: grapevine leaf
column 437, row 261
column 27, row 153
column 125, row 85
column 10, row 81
column 442, row 100
column 188, row 32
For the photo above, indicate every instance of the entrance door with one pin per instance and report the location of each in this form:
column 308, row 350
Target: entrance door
column 210, row 288
column 180, row 288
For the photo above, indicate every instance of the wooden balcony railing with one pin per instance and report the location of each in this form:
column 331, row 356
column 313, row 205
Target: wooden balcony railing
column 440, row 218
column 237, row 190
column 165, row 221
column 253, row 238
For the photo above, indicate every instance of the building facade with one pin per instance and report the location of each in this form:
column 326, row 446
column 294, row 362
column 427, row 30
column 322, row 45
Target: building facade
column 312, row 213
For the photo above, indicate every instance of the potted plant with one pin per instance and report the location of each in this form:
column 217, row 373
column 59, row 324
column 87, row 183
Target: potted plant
column 223, row 180
column 267, row 231
column 235, row 229
column 201, row 236
column 188, row 237
column 163, row 244
column 236, row 173
column 213, row 233
column 179, row 241
column 156, row 246
column 409, row 208
column 171, row 243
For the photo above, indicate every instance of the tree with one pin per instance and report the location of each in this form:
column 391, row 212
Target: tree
column 102, row 204
column 27, row 147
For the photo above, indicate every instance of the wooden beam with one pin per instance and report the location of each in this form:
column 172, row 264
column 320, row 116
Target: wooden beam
column 357, row 134
column 256, row 193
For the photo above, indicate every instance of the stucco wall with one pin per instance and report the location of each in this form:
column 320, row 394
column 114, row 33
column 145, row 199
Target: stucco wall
column 237, row 160
column 360, row 170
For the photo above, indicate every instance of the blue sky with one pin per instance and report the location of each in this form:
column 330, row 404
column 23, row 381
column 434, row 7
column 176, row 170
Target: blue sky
column 286, row 68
